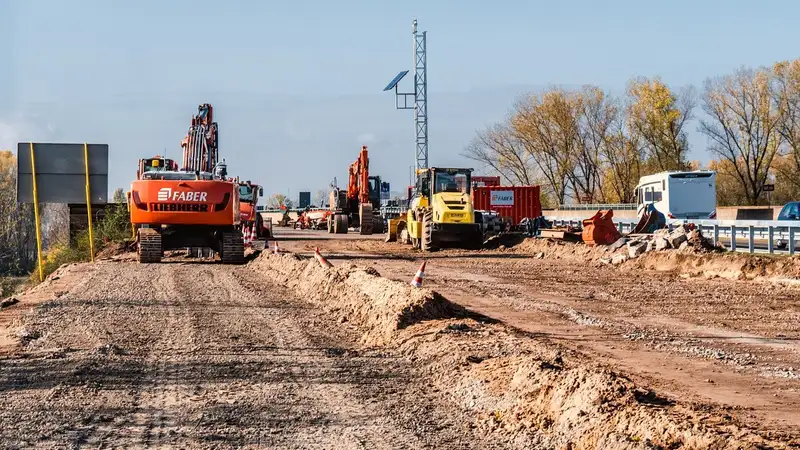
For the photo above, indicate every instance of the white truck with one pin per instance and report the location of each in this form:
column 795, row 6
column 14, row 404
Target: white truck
column 679, row 195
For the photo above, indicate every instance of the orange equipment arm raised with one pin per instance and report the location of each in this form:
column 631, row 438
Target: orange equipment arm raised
column 358, row 185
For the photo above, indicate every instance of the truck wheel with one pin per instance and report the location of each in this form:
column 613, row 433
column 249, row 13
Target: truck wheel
column 340, row 224
column 150, row 250
column 426, row 243
column 330, row 224
column 232, row 247
column 259, row 227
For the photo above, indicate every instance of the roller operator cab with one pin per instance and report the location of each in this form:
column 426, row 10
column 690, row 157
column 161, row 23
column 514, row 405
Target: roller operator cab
column 440, row 213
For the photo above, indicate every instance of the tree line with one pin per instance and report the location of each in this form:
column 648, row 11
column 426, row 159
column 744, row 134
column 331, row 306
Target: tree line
column 587, row 146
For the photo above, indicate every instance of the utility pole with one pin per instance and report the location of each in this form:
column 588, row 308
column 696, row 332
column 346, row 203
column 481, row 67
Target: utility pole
column 420, row 96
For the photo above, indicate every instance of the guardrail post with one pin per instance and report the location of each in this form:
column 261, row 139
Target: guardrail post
column 751, row 239
column 791, row 241
column 619, row 227
column 733, row 238
column 716, row 234
column 770, row 237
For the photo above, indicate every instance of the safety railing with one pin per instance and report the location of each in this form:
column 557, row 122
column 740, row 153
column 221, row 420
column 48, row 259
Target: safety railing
column 751, row 236
column 598, row 206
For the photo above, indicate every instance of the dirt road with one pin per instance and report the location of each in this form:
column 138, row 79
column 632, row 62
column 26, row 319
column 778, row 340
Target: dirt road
column 204, row 355
column 732, row 344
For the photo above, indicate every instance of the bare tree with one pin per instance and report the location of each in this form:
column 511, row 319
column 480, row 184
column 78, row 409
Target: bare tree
column 320, row 197
column 17, row 225
column 743, row 126
column 546, row 125
column 497, row 147
column 597, row 116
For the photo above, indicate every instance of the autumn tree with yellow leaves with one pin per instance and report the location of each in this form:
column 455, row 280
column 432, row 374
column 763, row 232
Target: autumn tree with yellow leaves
column 659, row 117
column 585, row 146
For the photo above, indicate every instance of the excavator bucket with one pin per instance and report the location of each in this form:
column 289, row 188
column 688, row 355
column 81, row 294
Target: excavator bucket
column 600, row 229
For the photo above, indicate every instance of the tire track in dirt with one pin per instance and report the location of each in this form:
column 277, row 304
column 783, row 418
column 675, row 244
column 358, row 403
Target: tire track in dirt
column 205, row 355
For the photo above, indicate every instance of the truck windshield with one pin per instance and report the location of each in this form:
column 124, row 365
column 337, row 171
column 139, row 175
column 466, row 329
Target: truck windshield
column 246, row 193
column 451, row 182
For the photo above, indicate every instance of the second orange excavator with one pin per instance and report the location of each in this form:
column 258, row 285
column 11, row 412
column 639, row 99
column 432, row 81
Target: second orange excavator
column 194, row 206
column 358, row 206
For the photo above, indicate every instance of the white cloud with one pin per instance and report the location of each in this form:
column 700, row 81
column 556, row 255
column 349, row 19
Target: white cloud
column 24, row 128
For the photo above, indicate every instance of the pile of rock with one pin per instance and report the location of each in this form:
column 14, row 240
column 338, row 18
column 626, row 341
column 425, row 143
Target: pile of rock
column 685, row 238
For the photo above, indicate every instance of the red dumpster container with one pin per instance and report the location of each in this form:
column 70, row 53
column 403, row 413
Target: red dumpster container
column 514, row 202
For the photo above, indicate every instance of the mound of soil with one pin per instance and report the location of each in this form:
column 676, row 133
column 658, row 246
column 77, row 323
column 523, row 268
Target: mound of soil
column 539, row 396
column 359, row 295
column 527, row 391
column 733, row 266
column 115, row 249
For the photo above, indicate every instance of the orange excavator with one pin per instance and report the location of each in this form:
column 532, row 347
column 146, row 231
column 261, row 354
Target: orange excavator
column 194, row 206
column 359, row 204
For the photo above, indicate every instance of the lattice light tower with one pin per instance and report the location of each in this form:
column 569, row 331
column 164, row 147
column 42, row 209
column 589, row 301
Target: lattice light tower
column 420, row 96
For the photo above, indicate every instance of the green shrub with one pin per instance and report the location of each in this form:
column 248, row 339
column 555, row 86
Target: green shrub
column 114, row 228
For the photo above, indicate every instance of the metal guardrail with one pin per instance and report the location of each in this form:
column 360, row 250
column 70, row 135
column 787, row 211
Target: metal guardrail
column 598, row 206
column 770, row 236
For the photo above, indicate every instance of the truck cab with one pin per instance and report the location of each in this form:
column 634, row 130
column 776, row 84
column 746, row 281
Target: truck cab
column 248, row 204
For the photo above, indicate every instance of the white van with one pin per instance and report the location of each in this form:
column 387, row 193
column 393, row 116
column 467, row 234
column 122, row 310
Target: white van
column 679, row 195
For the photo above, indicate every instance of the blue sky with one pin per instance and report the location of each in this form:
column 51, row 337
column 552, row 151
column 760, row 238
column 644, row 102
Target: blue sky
column 297, row 86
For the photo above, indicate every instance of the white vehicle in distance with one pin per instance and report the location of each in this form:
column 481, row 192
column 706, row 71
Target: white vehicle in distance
column 679, row 195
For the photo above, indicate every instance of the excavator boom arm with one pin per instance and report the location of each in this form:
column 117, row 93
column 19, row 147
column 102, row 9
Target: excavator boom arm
column 358, row 184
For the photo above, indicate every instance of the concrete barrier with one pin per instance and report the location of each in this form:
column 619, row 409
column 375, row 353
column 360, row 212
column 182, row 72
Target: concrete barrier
column 748, row 212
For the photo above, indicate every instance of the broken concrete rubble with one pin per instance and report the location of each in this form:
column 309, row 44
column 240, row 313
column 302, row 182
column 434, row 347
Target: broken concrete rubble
column 677, row 236
column 636, row 248
column 687, row 238
column 619, row 258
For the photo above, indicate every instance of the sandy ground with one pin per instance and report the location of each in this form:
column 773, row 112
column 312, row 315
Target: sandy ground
column 729, row 344
column 198, row 355
column 538, row 346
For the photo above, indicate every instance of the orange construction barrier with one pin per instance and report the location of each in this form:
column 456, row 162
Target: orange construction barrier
column 600, row 229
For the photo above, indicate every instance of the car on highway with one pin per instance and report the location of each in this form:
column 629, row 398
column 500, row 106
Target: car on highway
column 790, row 211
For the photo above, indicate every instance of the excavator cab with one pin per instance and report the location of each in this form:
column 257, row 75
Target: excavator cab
column 155, row 164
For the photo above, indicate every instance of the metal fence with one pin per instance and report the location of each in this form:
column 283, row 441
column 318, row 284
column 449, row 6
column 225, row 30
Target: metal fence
column 598, row 206
column 751, row 236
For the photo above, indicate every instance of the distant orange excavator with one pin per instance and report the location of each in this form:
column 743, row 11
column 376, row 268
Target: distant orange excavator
column 359, row 205
column 194, row 206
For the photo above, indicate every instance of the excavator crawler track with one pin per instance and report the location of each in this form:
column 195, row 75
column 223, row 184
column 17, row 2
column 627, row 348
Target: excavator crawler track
column 150, row 250
column 232, row 247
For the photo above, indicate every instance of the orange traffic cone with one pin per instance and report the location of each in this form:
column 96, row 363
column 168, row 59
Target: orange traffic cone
column 417, row 281
column 276, row 250
column 322, row 261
